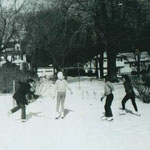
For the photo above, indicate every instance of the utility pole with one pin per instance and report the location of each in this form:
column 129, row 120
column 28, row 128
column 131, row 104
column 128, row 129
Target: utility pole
column 79, row 75
column 137, row 56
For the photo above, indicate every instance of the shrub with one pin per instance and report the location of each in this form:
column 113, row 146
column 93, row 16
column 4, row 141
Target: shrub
column 140, row 86
column 8, row 74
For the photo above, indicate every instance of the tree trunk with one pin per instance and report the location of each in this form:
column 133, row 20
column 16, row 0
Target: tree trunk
column 101, row 64
column 96, row 65
column 138, row 65
column 111, row 65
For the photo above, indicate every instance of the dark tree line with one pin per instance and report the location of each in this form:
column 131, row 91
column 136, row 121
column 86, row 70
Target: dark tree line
column 67, row 32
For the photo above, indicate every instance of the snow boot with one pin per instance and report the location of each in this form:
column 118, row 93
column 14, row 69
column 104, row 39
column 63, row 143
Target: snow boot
column 23, row 120
column 123, row 112
column 110, row 119
column 137, row 113
column 62, row 115
column 104, row 118
column 57, row 115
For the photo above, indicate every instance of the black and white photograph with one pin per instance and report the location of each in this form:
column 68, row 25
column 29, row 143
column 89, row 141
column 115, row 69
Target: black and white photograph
column 74, row 74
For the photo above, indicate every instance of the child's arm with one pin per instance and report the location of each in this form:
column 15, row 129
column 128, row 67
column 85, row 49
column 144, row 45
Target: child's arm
column 55, row 90
column 69, row 88
column 111, row 86
column 102, row 97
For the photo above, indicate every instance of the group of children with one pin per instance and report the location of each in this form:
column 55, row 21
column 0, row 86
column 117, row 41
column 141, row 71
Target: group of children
column 61, row 86
column 26, row 88
column 108, row 93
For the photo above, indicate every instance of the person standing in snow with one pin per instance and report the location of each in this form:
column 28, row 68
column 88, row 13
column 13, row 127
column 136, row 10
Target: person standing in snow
column 129, row 95
column 108, row 89
column 61, row 86
column 21, row 98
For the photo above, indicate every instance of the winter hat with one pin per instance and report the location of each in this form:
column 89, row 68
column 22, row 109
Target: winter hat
column 60, row 75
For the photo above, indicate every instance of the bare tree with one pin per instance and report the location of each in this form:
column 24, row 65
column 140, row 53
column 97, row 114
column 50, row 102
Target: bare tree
column 9, row 26
column 54, row 31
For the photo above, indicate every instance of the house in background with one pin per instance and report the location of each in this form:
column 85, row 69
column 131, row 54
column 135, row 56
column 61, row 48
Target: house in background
column 119, row 63
column 130, row 62
column 91, row 65
column 126, row 63
column 13, row 54
column 46, row 71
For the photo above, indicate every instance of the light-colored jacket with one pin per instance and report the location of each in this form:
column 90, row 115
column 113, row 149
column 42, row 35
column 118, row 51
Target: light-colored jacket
column 61, row 85
column 108, row 88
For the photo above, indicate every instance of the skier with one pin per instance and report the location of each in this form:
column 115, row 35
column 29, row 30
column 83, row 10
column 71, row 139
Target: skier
column 108, row 89
column 60, row 90
column 129, row 95
column 20, row 97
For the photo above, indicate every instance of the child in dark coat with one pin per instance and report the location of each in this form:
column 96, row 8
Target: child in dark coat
column 129, row 95
column 20, row 97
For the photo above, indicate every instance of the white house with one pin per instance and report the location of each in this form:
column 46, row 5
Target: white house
column 130, row 62
column 45, row 71
column 125, row 63
column 13, row 54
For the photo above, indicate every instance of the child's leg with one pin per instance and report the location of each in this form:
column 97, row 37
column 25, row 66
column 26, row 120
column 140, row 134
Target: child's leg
column 125, row 99
column 107, row 106
column 134, row 103
column 15, row 109
column 63, row 103
column 58, row 102
column 23, row 111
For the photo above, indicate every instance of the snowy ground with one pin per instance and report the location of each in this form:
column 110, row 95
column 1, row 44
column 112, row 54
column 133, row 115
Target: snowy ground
column 82, row 127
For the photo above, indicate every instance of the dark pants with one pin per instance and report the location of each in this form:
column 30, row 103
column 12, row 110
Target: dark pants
column 126, row 98
column 23, row 110
column 108, row 111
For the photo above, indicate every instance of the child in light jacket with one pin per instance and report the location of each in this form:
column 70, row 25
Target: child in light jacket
column 61, row 86
column 108, row 89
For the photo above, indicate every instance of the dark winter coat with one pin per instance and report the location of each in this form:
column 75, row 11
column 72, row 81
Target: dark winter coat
column 128, row 88
column 20, row 94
